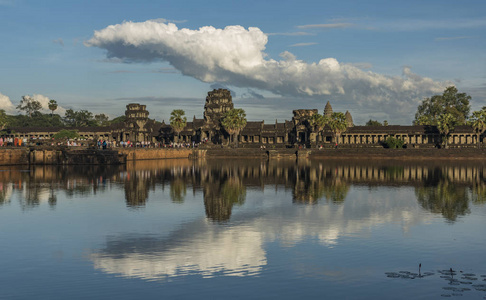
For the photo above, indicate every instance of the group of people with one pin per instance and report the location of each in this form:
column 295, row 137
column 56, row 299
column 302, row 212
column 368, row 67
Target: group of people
column 100, row 144
column 10, row 141
column 142, row 144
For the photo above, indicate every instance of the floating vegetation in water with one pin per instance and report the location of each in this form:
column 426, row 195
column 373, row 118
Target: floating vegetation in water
column 448, row 272
column 479, row 287
column 470, row 278
column 456, row 286
column 407, row 275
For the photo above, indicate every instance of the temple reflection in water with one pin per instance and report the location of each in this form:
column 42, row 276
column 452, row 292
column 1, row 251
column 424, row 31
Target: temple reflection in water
column 218, row 218
column 446, row 189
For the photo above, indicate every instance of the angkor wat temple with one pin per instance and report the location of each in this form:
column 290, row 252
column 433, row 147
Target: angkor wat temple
column 296, row 132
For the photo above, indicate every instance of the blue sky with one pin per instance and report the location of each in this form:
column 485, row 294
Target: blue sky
column 377, row 59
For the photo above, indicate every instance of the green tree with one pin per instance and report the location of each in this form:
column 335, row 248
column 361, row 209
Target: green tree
column 338, row 125
column 66, row 134
column 479, row 123
column 373, row 123
column 82, row 118
column 29, row 105
column 101, row 119
column 178, row 121
column 457, row 104
column 52, row 106
column 36, row 120
column 3, row 119
column 119, row 119
column 70, row 118
column 446, row 124
column 318, row 121
column 393, row 143
column 233, row 122
column 85, row 118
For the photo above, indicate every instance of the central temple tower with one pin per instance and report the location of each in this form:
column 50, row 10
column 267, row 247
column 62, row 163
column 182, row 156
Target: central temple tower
column 218, row 102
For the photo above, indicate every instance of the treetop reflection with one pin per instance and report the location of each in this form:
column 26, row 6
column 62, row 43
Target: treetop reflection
column 446, row 189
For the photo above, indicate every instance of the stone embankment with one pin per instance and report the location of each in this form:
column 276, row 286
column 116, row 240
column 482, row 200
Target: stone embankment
column 83, row 156
column 70, row 156
column 132, row 154
column 359, row 154
column 14, row 156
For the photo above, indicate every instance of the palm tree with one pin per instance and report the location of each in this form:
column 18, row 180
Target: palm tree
column 233, row 122
column 337, row 124
column 479, row 124
column 52, row 106
column 178, row 121
column 318, row 122
column 446, row 124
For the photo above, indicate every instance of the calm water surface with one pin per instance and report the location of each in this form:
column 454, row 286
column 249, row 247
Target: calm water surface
column 248, row 229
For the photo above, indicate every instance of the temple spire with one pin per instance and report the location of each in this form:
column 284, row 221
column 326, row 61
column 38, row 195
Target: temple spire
column 349, row 119
column 328, row 110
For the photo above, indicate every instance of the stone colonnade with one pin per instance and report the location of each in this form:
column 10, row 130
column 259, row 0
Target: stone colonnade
column 377, row 138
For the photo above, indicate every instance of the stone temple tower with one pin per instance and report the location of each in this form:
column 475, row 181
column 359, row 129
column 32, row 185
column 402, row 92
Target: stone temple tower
column 136, row 120
column 218, row 102
column 328, row 110
column 349, row 119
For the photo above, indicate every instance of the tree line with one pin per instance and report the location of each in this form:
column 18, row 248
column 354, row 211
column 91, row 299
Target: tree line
column 33, row 117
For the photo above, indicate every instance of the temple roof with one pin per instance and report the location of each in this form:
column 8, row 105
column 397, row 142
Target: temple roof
column 412, row 129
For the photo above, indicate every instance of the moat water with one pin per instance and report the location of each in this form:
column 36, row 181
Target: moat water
column 244, row 229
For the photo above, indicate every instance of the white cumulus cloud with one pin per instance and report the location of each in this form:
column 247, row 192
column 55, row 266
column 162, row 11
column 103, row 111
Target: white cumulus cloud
column 6, row 104
column 235, row 56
